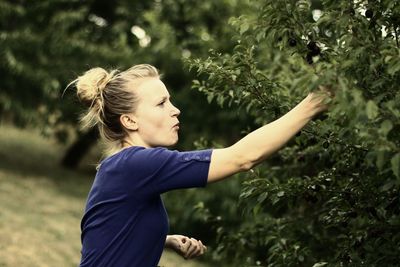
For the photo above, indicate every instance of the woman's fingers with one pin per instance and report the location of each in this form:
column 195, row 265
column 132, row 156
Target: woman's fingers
column 318, row 100
column 200, row 249
column 187, row 247
column 327, row 90
column 196, row 249
column 191, row 249
column 203, row 248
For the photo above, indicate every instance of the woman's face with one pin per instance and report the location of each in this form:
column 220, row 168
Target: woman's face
column 156, row 117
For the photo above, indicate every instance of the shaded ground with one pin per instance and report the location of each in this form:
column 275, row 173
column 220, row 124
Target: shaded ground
column 41, row 204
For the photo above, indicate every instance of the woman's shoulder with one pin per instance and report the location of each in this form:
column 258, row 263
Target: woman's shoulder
column 137, row 153
column 141, row 157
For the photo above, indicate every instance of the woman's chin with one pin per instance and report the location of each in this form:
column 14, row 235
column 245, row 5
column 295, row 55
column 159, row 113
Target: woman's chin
column 174, row 142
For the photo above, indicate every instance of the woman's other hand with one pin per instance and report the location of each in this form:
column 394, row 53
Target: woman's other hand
column 187, row 247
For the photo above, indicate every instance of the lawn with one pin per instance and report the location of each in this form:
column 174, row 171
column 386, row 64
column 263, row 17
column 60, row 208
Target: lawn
column 41, row 203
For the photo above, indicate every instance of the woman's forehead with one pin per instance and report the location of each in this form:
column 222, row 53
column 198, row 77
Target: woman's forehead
column 151, row 89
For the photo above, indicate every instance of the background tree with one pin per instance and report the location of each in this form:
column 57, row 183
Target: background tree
column 46, row 44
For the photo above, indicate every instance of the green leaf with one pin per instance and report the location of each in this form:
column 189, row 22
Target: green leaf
column 261, row 198
column 396, row 165
column 210, row 98
column 372, row 110
column 380, row 159
column 393, row 68
column 357, row 97
column 386, row 126
column 260, row 36
column 320, row 264
column 244, row 27
column 256, row 209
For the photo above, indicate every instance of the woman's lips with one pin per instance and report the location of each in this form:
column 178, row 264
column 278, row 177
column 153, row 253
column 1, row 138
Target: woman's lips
column 176, row 126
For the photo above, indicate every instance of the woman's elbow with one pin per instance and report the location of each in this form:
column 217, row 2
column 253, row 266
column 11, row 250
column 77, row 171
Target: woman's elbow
column 245, row 167
column 247, row 163
column 242, row 158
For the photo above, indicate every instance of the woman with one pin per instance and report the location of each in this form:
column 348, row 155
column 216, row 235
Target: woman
column 125, row 222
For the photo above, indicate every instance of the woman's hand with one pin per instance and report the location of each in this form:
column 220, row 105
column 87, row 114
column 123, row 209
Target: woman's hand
column 187, row 247
column 317, row 100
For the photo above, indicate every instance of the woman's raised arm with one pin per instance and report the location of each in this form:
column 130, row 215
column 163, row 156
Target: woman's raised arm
column 264, row 141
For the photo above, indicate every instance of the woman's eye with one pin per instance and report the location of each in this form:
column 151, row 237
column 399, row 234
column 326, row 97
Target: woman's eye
column 161, row 103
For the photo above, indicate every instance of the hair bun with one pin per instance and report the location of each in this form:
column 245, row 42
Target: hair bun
column 91, row 84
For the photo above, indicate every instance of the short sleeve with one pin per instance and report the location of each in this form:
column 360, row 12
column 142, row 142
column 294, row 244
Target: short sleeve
column 158, row 170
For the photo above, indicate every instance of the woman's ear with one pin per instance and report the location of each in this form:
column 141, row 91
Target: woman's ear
column 129, row 121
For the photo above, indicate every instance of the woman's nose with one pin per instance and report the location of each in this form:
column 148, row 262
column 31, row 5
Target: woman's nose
column 175, row 111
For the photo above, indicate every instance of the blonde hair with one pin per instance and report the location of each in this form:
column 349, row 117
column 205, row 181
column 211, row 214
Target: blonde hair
column 109, row 95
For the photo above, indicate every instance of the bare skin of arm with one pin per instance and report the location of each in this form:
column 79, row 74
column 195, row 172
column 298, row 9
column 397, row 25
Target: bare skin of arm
column 264, row 141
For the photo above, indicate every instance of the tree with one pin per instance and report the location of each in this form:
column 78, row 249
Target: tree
column 46, row 44
column 331, row 196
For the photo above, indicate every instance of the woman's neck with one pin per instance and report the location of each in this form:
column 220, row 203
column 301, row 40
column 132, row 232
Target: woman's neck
column 125, row 143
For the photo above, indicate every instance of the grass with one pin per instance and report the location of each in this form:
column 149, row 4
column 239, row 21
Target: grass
column 41, row 204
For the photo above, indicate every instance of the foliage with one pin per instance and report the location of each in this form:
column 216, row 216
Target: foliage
column 331, row 196
column 46, row 44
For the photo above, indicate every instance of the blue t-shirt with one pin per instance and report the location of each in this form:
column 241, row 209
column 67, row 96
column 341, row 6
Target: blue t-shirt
column 125, row 222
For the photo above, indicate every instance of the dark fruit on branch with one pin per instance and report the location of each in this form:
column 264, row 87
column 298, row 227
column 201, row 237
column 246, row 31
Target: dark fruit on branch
column 352, row 214
column 313, row 48
column 292, row 42
column 321, row 116
column 369, row 13
column 309, row 58
column 325, row 144
column 312, row 45
column 310, row 198
column 317, row 188
column 396, row 20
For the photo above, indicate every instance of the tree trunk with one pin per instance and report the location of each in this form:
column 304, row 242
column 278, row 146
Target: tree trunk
column 79, row 148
